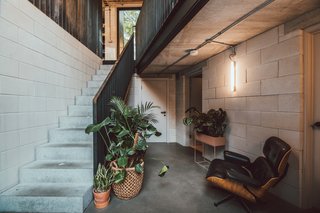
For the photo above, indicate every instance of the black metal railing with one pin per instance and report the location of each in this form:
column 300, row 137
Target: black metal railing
column 152, row 16
column 159, row 22
column 116, row 84
column 81, row 18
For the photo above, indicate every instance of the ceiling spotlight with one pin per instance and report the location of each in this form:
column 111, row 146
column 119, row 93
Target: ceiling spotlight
column 193, row 52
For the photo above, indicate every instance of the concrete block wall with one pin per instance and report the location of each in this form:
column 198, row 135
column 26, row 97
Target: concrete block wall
column 42, row 68
column 268, row 100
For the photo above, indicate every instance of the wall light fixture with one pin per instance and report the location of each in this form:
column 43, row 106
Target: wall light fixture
column 233, row 70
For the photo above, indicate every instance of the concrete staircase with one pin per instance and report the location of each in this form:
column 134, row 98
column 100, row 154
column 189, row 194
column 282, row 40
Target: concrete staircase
column 60, row 180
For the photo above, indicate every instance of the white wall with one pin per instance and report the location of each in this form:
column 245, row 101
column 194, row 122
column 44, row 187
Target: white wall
column 268, row 100
column 182, row 100
column 134, row 98
column 42, row 68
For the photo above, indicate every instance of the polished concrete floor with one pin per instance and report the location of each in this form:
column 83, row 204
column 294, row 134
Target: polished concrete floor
column 183, row 189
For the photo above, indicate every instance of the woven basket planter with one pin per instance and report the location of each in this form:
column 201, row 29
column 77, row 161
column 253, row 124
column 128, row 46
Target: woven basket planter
column 131, row 185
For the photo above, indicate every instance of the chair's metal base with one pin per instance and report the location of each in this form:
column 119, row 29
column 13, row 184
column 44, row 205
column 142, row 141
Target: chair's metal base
column 229, row 197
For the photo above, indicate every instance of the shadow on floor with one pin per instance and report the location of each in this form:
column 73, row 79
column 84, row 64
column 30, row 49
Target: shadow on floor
column 183, row 189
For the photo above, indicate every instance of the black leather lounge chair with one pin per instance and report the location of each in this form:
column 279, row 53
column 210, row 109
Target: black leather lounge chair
column 248, row 181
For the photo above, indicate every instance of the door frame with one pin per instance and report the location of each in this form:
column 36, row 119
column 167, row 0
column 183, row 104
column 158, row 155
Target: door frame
column 168, row 114
column 308, row 145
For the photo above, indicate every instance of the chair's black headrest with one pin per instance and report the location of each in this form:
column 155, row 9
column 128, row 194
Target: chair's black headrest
column 275, row 150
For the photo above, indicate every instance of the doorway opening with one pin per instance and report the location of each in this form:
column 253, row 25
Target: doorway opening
column 155, row 90
column 127, row 19
column 311, row 147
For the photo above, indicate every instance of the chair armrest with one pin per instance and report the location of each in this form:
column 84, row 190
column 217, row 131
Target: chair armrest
column 236, row 158
column 241, row 178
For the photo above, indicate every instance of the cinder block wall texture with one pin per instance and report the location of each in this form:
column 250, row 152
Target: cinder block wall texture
column 42, row 68
column 268, row 100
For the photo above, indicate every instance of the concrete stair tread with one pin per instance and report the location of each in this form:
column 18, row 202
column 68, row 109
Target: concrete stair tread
column 106, row 66
column 59, row 164
column 48, row 190
column 75, row 121
column 84, row 100
column 83, row 107
column 69, row 129
column 75, row 116
column 99, row 77
column 88, row 91
column 88, row 96
column 47, row 197
column 65, row 151
column 94, row 83
column 67, row 145
column 69, row 135
column 80, row 110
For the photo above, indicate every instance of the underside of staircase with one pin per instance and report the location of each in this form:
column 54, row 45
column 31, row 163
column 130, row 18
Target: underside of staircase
column 60, row 179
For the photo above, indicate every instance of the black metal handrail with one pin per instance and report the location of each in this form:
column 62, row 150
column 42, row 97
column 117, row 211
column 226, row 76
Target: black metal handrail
column 152, row 16
column 116, row 84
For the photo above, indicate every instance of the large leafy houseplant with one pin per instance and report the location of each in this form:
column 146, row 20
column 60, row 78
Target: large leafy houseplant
column 212, row 123
column 125, row 133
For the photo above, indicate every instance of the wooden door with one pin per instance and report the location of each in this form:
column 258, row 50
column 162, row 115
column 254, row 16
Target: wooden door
column 316, row 148
column 155, row 90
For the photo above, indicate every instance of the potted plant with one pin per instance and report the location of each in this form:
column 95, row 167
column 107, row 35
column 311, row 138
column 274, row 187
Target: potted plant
column 102, row 182
column 209, row 127
column 125, row 133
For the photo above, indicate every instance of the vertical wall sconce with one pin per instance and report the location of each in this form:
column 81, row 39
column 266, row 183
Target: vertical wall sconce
column 233, row 70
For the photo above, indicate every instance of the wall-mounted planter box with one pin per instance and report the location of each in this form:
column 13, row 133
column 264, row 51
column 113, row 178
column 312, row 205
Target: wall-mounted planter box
column 211, row 141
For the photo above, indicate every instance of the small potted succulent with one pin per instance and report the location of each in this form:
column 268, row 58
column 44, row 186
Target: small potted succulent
column 101, row 186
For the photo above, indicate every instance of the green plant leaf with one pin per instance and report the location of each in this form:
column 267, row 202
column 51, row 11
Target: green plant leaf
column 92, row 128
column 107, row 121
column 141, row 145
column 164, row 170
column 187, row 121
column 138, row 168
column 109, row 157
column 120, row 176
column 122, row 162
column 131, row 152
column 123, row 133
column 122, row 152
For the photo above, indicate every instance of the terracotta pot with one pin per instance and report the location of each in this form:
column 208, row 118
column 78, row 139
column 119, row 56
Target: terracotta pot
column 101, row 199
